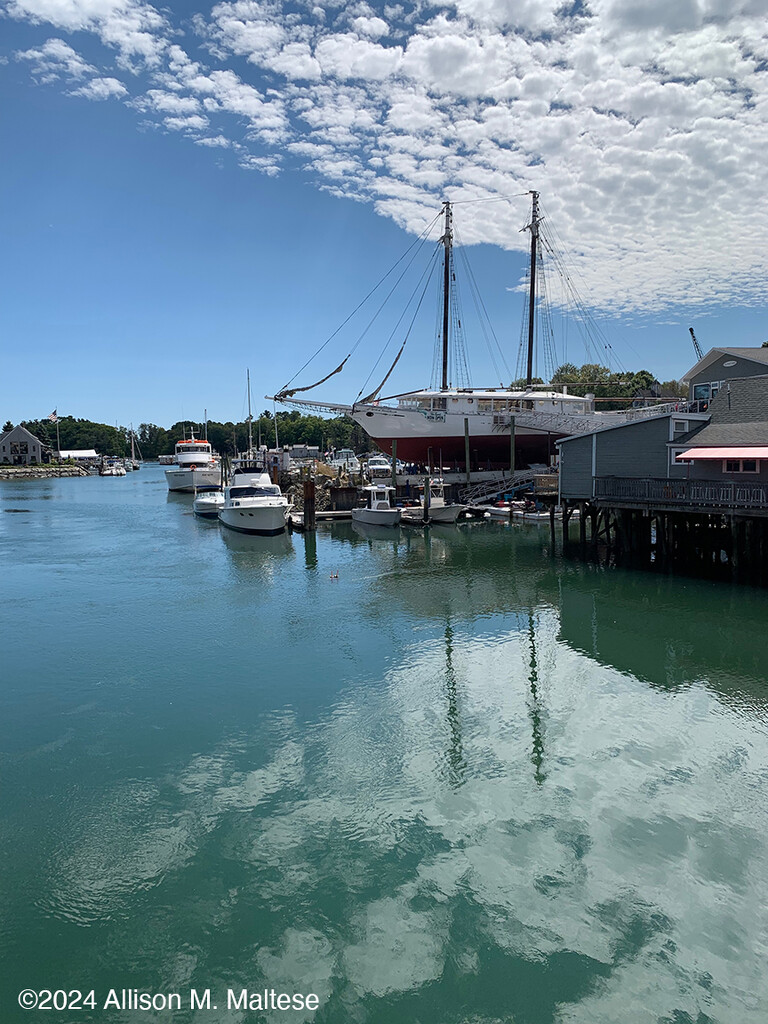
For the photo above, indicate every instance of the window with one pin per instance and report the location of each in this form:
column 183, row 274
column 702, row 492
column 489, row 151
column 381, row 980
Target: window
column 679, row 427
column 741, row 466
column 701, row 392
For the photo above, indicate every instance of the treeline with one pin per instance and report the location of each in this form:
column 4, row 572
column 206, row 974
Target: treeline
column 226, row 438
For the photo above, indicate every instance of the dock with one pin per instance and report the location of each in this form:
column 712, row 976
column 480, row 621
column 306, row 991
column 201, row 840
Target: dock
column 296, row 519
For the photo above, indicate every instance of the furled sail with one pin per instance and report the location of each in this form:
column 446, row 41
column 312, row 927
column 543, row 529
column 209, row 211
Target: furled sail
column 370, row 398
column 286, row 393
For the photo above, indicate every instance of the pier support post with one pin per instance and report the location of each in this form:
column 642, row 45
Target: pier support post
column 309, row 504
column 552, row 528
column 394, row 465
column 512, row 443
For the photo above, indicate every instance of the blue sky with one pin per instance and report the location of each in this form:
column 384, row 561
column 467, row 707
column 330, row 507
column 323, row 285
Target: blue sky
column 195, row 189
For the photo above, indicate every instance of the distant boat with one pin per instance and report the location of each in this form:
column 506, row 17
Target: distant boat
column 345, row 458
column 378, row 510
column 111, row 467
column 195, row 469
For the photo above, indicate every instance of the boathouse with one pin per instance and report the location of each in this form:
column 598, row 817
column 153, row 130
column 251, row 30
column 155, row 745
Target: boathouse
column 686, row 491
column 19, row 447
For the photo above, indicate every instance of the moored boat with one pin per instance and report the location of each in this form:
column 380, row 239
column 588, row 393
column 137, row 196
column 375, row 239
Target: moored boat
column 253, row 504
column 378, row 510
column 195, row 469
column 207, row 504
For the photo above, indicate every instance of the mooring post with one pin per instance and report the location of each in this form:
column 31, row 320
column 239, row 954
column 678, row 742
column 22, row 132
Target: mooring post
column 552, row 527
column 309, row 504
column 512, row 443
column 394, row 466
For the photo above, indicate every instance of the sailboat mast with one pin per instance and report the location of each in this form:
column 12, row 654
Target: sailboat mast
column 532, row 291
column 447, row 241
column 250, row 418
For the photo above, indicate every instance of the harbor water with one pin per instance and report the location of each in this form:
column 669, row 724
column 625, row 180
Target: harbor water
column 466, row 782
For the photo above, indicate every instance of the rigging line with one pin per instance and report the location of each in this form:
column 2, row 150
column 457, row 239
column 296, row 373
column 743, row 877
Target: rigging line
column 584, row 320
column 417, row 241
column 590, row 321
column 427, row 272
column 489, row 199
column 482, row 313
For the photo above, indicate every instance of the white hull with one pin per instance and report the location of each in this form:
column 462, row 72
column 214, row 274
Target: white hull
column 265, row 519
column 376, row 516
column 180, row 479
column 207, row 504
column 444, row 513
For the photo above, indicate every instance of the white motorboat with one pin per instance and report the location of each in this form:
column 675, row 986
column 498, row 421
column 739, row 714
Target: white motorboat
column 112, row 467
column 253, row 504
column 437, row 510
column 378, row 510
column 207, row 504
column 196, row 468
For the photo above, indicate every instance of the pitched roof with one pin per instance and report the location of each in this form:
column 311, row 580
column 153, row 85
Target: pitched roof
column 755, row 355
column 743, row 400
column 739, row 416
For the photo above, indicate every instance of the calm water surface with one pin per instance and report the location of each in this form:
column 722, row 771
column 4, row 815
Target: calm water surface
column 465, row 783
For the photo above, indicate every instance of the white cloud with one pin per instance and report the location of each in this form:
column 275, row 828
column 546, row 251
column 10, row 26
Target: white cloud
column 101, row 89
column 625, row 132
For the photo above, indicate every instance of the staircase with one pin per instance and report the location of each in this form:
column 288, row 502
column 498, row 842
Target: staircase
column 504, row 483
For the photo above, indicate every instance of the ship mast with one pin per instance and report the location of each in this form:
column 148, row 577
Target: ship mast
column 250, row 417
column 534, row 229
column 447, row 241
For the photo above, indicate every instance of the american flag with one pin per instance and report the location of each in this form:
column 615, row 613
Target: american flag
column 53, row 417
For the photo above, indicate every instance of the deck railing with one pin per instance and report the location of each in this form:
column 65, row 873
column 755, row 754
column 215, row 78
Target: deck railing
column 714, row 494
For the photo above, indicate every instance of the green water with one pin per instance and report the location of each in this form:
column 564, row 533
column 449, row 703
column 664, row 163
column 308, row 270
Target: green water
column 465, row 783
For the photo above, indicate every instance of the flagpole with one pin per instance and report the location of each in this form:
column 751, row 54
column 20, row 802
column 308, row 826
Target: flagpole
column 58, row 439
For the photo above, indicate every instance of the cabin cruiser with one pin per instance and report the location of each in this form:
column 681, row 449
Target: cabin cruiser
column 207, row 504
column 196, row 469
column 378, row 510
column 252, row 503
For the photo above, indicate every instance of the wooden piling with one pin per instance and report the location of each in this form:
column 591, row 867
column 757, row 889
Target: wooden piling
column 309, row 504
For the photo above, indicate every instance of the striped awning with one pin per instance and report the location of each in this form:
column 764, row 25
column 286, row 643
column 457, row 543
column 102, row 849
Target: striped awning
column 696, row 454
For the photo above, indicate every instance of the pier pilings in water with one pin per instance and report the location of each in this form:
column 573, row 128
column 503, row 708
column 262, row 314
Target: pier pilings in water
column 724, row 545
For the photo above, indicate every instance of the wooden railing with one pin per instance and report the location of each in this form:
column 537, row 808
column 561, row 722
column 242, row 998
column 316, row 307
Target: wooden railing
column 708, row 493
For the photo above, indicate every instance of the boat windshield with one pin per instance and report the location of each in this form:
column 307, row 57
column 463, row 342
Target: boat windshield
column 254, row 492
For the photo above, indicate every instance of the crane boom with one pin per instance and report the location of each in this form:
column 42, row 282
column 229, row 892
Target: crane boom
column 696, row 345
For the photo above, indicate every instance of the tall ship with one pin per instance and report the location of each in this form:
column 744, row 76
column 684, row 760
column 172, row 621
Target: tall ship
column 195, row 468
column 494, row 427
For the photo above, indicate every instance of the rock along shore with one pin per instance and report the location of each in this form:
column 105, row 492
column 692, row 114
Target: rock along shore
column 39, row 472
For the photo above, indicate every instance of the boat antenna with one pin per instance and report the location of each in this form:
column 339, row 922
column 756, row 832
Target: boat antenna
column 250, row 418
column 447, row 241
column 534, row 229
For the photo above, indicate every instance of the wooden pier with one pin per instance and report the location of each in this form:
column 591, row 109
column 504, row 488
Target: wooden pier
column 703, row 528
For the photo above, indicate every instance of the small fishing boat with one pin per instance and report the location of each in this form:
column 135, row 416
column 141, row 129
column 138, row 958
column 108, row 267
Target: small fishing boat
column 434, row 503
column 378, row 509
